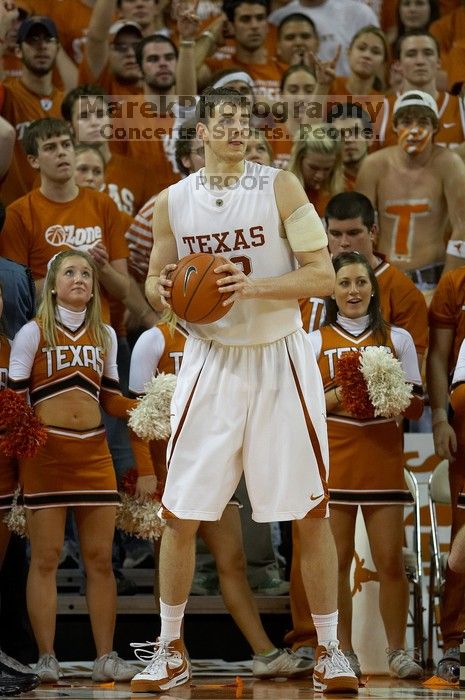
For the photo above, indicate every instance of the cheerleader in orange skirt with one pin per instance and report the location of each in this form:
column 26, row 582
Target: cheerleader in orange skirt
column 66, row 360
column 366, row 456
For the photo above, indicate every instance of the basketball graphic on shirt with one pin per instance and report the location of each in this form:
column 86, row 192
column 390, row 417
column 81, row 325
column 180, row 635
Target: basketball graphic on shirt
column 56, row 235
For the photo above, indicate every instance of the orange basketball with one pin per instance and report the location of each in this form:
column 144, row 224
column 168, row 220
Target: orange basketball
column 194, row 294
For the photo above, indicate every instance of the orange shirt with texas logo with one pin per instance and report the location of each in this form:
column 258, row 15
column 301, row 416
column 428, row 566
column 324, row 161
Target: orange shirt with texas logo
column 20, row 108
column 36, row 228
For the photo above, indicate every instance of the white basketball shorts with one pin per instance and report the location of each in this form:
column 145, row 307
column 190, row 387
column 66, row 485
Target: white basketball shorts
column 258, row 409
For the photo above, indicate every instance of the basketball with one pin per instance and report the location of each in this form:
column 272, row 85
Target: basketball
column 194, row 294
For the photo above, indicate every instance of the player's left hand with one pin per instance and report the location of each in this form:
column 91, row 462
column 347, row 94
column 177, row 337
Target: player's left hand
column 234, row 282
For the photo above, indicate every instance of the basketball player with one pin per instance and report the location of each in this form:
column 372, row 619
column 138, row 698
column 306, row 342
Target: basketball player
column 243, row 378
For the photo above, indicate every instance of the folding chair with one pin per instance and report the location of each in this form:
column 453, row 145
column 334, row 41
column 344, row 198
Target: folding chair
column 414, row 569
column 438, row 494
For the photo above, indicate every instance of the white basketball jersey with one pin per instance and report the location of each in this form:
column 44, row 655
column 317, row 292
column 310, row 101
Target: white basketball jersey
column 241, row 223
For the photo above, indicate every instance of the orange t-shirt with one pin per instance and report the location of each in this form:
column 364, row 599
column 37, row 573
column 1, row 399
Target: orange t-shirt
column 72, row 18
column 281, row 142
column 451, row 122
column 21, row 107
column 319, row 199
column 447, row 309
column 128, row 182
column 36, row 228
column 12, row 65
column 151, row 139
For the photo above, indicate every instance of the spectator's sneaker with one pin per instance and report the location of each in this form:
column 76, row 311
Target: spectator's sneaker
column 401, row 665
column 332, row 672
column 272, row 586
column 308, row 653
column 111, row 668
column 354, row 663
column 283, row 663
column 168, row 668
column 449, row 665
column 48, row 669
column 17, row 679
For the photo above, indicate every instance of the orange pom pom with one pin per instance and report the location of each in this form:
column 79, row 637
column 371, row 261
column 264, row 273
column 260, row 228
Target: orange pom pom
column 355, row 399
column 24, row 433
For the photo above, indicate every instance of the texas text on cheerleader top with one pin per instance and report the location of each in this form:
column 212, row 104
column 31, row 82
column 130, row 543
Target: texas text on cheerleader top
column 330, row 342
column 75, row 363
column 241, row 223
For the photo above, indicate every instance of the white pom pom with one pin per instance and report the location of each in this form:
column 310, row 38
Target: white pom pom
column 150, row 419
column 15, row 519
column 389, row 393
column 139, row 517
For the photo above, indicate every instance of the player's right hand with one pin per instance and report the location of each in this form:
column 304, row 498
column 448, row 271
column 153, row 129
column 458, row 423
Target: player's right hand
column 165, row 284
column 445, row 441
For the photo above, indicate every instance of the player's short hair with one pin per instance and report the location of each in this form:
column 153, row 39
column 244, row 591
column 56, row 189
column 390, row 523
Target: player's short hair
column 230, row 6
column 182, row 149
column 414, row 32
column 297, row 17
column 73, row 96
column 43, row 129
column 212, row 98
column 152, row 39
column 351, row 205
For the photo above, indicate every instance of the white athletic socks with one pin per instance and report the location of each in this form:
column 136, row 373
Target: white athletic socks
column 171, row 620
column 326, row 627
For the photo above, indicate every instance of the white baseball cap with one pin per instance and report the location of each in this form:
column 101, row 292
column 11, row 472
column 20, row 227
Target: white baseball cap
column 416, row 98
column 121, row 24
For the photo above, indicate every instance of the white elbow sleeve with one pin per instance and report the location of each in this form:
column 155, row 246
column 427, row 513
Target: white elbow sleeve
column 305, row 231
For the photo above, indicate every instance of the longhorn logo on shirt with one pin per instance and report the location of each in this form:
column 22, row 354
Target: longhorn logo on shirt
column 80, row 238
column 46, row 104
column 190, row 271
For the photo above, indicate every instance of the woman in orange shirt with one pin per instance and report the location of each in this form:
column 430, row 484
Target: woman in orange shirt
column 368, row 63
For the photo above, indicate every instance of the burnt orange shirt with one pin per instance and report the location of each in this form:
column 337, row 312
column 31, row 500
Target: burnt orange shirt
column 36, row 228
column 128, row 182
column 447, row 309
column 20, row 108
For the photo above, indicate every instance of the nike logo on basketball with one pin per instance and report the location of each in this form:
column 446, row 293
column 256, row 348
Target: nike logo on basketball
column 190, row 270
column 316, row 498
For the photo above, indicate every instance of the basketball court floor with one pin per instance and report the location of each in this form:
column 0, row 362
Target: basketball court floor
column 211, row 682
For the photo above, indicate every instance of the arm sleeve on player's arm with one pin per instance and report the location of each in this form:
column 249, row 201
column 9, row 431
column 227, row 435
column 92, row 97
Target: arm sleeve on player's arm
column 304, row 230
column 23, row 352
column 407, row 355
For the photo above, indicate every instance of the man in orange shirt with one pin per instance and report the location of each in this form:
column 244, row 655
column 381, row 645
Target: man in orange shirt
column 30, row 97
column 59, row 215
